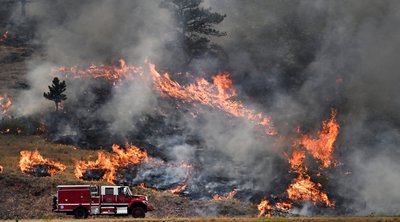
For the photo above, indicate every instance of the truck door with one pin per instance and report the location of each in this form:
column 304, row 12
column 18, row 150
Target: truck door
column 109, row 196
column 123, row 196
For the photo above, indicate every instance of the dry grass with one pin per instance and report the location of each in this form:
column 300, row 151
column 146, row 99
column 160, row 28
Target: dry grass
column 25, row 196
column 33, row 195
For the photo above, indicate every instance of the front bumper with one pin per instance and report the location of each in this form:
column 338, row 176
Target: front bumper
column 150, row 207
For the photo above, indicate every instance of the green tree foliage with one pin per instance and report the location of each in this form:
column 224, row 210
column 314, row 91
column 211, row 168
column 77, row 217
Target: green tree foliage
column 56, row 92
column 195, row 28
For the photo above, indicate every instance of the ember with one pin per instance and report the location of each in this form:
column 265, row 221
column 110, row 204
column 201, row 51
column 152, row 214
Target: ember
column 228, row 196
column 5, row 104
column 34, row 164
column 4, row 37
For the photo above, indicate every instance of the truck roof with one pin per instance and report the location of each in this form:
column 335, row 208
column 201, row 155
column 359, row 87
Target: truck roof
column 75, row 185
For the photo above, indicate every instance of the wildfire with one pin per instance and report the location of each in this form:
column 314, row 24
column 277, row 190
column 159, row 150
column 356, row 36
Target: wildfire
column 5, row 104
column 141, row 185
column 4, row 37
column 264, row 208
column 178, row 189
column 109, row 72
column 218, row 94
column 109, row 163
column 321, row 148
column 283, row 206
column 303, row 189
column 228, row 196
column 33, row 163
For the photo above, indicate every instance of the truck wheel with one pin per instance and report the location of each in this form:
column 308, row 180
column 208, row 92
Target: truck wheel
column 138, row 212
column 80, row 213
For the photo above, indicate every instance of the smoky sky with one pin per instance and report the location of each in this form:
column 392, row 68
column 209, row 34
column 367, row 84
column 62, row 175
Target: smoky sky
column 294, row 60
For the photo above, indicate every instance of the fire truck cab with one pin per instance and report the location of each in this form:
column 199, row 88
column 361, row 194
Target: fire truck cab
column 85, row 200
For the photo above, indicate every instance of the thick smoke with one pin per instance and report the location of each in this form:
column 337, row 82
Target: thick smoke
column 294, row 60
column 302, row 57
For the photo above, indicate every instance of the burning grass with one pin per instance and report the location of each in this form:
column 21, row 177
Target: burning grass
column 107, row 164
column 34, row 164
column 5, row 104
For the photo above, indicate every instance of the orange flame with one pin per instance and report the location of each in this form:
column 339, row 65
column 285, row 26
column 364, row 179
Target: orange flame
column 283, row 206
column 111, row 162
column 303, row 189
column 30, row 159
column 5, row 104
column 217, row 94
column 178, row 189
column 228, row 196
column 141, row 185
column 264, row 208
column 109, row 72
column 321, row 148
column 1, row 169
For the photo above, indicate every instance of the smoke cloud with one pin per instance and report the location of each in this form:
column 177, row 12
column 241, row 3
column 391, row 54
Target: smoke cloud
column 294, row 60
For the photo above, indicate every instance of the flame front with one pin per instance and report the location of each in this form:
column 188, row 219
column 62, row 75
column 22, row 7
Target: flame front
column 264, row 208
column 217, row 94
column 31, row 159
column 322, row 147
column 179, row 189
column 228, row 196
column 113, row 73
column 303, row 189
column 120, row 157
column 5, row 104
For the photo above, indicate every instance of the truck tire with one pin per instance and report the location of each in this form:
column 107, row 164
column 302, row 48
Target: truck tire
column 138, row 212
column 80, row 213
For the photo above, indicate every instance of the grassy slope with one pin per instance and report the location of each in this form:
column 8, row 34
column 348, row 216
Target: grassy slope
column 24, row 196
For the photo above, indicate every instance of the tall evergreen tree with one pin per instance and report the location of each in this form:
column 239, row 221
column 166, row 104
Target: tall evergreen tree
column 56, row 92
column 195, row 27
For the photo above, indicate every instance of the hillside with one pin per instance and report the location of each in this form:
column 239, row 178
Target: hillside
column 31, row 196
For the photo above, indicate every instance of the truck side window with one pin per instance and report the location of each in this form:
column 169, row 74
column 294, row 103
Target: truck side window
column 121, row 191
column 109, row 191
column 93, row 191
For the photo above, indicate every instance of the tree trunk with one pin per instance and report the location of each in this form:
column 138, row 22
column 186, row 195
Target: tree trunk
column 56, row 106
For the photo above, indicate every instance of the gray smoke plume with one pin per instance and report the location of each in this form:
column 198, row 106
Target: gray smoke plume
column 300, row 58
column 294, row 60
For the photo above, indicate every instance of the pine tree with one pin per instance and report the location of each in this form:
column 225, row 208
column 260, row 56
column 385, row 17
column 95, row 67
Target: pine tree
column 56, row 92
column 195, row 27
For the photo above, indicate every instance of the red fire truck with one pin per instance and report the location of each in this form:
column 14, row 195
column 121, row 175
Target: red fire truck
column 85, row 200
